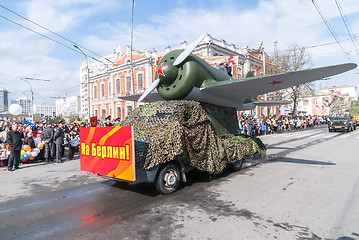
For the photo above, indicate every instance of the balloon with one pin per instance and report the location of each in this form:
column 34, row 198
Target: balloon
column 31, row 158
column 22, row 152
column 24, row 160
column 40, row 145
column 26, row 148
column 28, row 153
column 34, row 154
column 15, row 109
column 36, row 150
column 26, row 156
column 21, row 157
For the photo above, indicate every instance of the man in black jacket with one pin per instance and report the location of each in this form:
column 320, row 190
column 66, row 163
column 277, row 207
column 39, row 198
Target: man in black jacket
column 13, row 138
column 59, row 141
column 47, row 136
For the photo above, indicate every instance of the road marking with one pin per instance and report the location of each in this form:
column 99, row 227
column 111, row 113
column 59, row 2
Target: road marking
column 317, row 135
column 356, row 132
column 344, row 136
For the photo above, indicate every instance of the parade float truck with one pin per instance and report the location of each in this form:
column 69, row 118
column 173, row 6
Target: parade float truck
column 190, row 122
column 159, row 142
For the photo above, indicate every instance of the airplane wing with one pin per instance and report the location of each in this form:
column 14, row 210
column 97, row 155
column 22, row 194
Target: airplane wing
column 240, row 89
column 152, row 97
column 232, row 93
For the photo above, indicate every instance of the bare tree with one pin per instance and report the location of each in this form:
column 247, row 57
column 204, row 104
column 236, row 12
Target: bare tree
column 294, row 58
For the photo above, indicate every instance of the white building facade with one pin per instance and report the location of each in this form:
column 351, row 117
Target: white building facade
column 328, row 101
column 69, row 106
column 45, row 110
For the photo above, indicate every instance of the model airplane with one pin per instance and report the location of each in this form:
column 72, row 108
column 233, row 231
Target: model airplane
column 182, row 75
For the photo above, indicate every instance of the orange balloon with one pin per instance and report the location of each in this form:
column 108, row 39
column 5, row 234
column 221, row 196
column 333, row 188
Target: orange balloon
column 26, row 148
column 40, row 145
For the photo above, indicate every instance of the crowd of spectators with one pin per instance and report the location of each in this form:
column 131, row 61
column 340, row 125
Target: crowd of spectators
column 54, row 148
column 261, row 125
column 34, row 134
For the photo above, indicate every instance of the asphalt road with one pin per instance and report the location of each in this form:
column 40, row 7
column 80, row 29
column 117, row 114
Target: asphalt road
column 307, row 187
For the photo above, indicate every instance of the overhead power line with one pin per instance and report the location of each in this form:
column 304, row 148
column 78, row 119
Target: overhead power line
column 38, row 33
column 58, row 35
column 330, row 29
column 347, row 25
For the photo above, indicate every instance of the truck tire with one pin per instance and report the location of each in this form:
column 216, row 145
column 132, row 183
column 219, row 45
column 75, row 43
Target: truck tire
column 237, row 165
column 168, row 179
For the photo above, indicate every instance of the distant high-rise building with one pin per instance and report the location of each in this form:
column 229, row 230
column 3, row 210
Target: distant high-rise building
column 4, row 100
column 45, row 110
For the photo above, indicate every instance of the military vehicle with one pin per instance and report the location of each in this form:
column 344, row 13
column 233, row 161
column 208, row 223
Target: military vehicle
column 341, row 123
column 190, row 123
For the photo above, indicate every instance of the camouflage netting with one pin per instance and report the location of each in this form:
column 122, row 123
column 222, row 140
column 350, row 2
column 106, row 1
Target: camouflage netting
column 182, row 131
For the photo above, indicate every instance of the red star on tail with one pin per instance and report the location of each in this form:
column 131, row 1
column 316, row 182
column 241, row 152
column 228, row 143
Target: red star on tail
column 275, row 82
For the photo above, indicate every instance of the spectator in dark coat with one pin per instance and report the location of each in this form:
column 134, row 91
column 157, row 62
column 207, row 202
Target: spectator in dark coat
column 29, row 140
column 14, row 139
column 48, row 137
column 59, row 141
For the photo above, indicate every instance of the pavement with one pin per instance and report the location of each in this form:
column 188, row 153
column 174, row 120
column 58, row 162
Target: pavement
column 33, row 178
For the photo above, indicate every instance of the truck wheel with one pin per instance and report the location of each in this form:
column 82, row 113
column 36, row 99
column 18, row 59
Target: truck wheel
column 237, row 165
column 168, row 179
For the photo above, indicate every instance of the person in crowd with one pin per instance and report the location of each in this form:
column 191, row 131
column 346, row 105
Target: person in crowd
column 117, row 121
column 14, row 139
column 250, row 124
column 48, row 137
column 29, row 140
column 108, row 122
column 2, row 122
column 72, row 139
column 3, row 134
column 4, row 155
column 59, row 141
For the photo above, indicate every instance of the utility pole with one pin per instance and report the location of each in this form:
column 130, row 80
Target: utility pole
column 25, row 79
column 88, row 83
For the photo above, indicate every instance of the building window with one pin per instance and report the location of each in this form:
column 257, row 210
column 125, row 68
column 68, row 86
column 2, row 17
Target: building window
column 129, row 109
column 109, row 88
column 95, row 91
column 96, row 113
column 119, row 112
column 103, row 113
column 128, row 84
column 118, row 85
column 102, row 90
column 140, row 81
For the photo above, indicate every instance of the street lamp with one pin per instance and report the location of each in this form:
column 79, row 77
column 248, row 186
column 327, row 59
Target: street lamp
column 32, row 100
column 88, row 83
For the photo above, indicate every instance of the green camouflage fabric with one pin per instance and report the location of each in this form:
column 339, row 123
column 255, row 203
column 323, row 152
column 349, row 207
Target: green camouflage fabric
column 182, row 131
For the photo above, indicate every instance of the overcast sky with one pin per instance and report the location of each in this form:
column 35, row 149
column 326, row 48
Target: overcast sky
column 101, row 25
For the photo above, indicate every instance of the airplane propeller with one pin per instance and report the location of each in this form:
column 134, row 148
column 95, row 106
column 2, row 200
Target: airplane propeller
column 177, row 62
column 149, row 90
column 188, row 51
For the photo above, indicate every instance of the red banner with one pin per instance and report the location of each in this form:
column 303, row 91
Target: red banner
column 93, row 121
column 108, row 151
